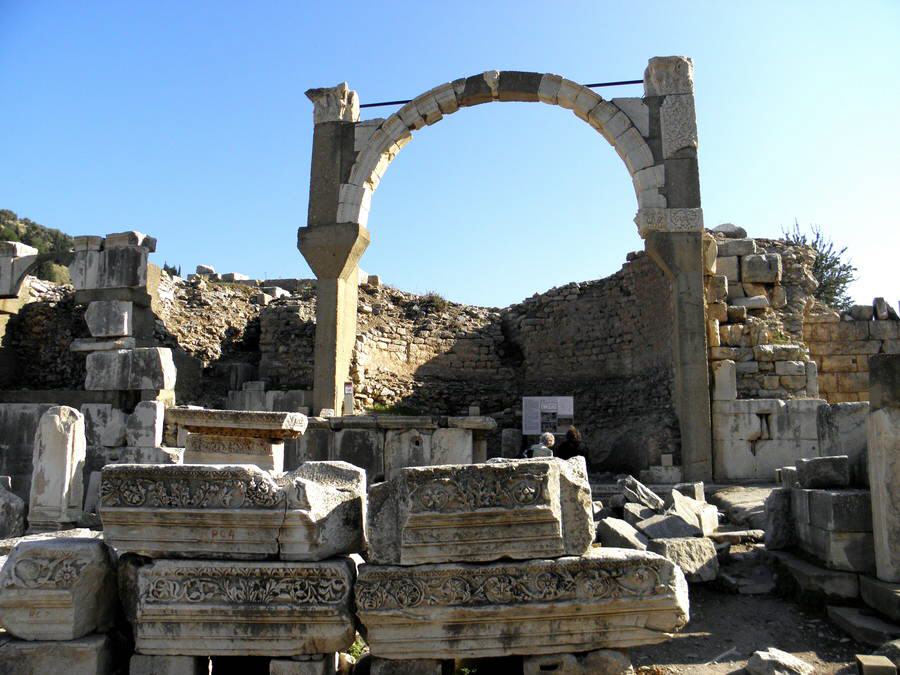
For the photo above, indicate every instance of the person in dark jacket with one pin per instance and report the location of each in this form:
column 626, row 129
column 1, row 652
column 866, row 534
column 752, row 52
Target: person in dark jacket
column 571, row 446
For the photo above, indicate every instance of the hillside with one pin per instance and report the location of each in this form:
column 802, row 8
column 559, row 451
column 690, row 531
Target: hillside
column 44, row 239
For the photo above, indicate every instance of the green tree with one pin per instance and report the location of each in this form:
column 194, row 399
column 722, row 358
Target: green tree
column 44, row 239
column 831, row 270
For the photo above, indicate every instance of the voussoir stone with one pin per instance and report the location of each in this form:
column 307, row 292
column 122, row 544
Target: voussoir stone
column 479, row 512
column 607, row 598
column 58, row 589
column 232, row 608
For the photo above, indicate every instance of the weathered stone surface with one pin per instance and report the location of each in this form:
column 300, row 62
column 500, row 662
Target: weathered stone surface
column 599, row 662
column 213, row 449
column 91, row 655
column 129, row 238
column 823, row 472
column 634, row 513
column 326, row 504
column 144, row 427
column 617, row 533
column 850, row 551
column 61, row 589
column 773, row 661
column 512, row 508
column 609, row 597
column 863, row 626
column 140, row 369
column 109, row 318
column 191, row 511
column 737, row 247
column 141, row 664
column 696, row 556
column 668, row 526
column 884, row 381
column 12, row 514
column 704, row 516
column 872, row 664
column 7, row 545
column 842, row 510
column 883, row 431
column 638, row 493
column 761, row 269
column 396, row 667
column 814, row 581
column 321, row 665
column 881, row 596
column 243, row 423
column 779, row 523
column 57, row 489
column 203, row 607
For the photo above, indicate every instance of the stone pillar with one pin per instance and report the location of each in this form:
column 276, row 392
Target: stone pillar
column 56, row 482
column 883, row 434
column 673, row 238
column 332, row 248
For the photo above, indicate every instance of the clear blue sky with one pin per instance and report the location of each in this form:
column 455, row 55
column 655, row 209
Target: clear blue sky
column 187, row 120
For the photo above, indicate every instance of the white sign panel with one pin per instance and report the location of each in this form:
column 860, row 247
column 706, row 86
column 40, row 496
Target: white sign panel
column 547, row 413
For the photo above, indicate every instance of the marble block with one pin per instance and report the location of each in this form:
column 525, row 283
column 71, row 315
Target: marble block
column 59, row 589
column 91, row 655
column 230, row 608
column 516, row 509
column 609, row 598
column 245, row 423
column 209, row 449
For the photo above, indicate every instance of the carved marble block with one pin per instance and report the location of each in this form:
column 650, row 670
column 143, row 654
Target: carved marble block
column 57, row 488
column 90, row 655
column 186, row 511
column 224, row 608
column 237, row 436
column 517, row 509
column 58, row 589
column 609, row 598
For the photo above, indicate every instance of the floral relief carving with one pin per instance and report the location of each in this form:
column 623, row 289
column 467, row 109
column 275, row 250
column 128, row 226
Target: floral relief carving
column 45, row 573
column 474, row 491
column 190, row 492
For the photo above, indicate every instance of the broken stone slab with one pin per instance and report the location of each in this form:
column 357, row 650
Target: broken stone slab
column 598, row 662
column 773, row 661
column 638, row 493
column 883, row 432
column 90, row 655
column 696, row 556
column 779, row 521
column 606, row 598
column 57, row 488
column 841, row 510
column 325, row 516
column 863, row 625
column 617, row 533
column 140, row 369
column 60, row 589
column 12, row 514
column 481, row 512
column 881, row 596
column 634, row 513
column 230, row 608
column 668, row 526
column 823, row 472
column 109, row 318
column 703, row 515
column 815, row 582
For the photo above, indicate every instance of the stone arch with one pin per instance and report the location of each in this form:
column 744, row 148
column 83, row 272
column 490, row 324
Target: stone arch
column 623, row 122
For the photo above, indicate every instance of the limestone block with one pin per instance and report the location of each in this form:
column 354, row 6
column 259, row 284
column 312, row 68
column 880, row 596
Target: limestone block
column 191, row 511
column 104, row 425
column 743, row 426
column 479, row 512
column 131, row 238
column 60, row 589
column 884, row 381
column 213, row 449
column 779, row 523
column 666, row 75
column 407, row 448
column 142, row 664
column 710, row 253
column 326, row 504
column 226, row 608
column 144, row 368
column 843, row 510
column 817, row 581
column 57, row 489
column 451, row 446
column 717, row 288
column 883, row 430
column 693, row 490
column 824, row 472
column 875, row 664
column 754, row 302
column 607, row 598
column 849, row 551
column 717, row 311
column 637, row 112
column 703, row 515
column 790, row 368
column 519, row 86
column 696, row 556
column 275, row 426
column 124, row 267
column 633, row 513
column 724, row 381
column 617, row 533
column 90, row 655
column 109, row 318
column 881, row 596
column 599, row 662
column 737, row 247
column 863, row 626
column 12, row 513
column 773, row 661
column 87, row 243
column 762, row 268
column 585, row 101
column 144, row 427
column 638, row 493
column 668, row 526
column 678, row 122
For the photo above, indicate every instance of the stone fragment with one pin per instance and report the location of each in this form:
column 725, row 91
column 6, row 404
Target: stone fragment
column 617, row 533
column 142, row 664
column 754, row 302
column 461, row 610
column 130, row 238
column 205, row 269
column 139, row 369
column 773, row 661
column 633, row 513
column 823, row 472
column 724, row 380
column 816, row 582
column 638, row 493
column 703, row 515
column 480, row 512
column 871, row 664
column 693, row 490
column 761, row 268
column 12, row 513
column 598, row 662
column 109, row 318
column 737, row 247
column 730, row 267
column 696, row 556
column 57, row 488
column 90, row 655
column 863, row 626
column 325, row 514
column 60, row 589
column 779, row 523
column 144, row 427
column 668, row 527
column 843, row 510
column 240, row 608
column 731, row 231
column 881, row 596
